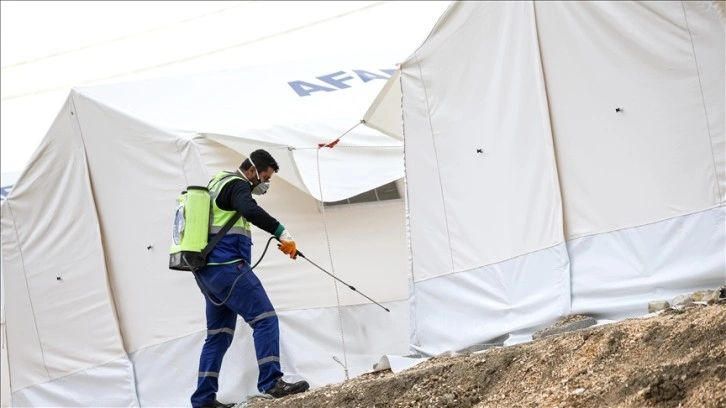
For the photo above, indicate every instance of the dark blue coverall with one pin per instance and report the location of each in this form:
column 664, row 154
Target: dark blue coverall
column 232, row 256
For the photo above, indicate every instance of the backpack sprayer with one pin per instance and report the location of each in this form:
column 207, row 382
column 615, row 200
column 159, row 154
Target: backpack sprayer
column 189, row 247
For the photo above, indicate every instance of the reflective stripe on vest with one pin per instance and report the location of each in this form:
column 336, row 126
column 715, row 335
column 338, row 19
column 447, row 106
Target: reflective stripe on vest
column 219, row 216
column 234, row 230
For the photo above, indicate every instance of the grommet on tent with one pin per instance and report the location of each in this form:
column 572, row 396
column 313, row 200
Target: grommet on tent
column 618, row 110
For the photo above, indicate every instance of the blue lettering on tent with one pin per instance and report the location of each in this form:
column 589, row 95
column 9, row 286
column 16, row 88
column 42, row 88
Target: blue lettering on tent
column 366, row 76
column 4, row 191
column 337, row 80
column 306, row 88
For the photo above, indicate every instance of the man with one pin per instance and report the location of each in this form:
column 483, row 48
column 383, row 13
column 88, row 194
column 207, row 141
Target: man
column 227, row 276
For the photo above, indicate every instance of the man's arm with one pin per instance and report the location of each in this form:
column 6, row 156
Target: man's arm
column 236, row 195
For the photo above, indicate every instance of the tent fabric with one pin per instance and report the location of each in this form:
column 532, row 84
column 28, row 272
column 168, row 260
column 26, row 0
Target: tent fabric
column 7, row 180
column 384, row 114
column 291, row 108
column 655, row 261
column 512, row 189
column 56, row 298
column 143, row 228
column 490, row 302
column 115, row 160
column 164, row 377
column 238, row 35
column 106, row 385
column 116, row 175
column 567, row 128
column 662, row 155
column 5, row 390
column 528, row 197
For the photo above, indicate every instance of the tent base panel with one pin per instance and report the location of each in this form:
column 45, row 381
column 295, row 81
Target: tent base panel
column 108, row 385
column 462, row 309
column 616, row 274
column 310, row 343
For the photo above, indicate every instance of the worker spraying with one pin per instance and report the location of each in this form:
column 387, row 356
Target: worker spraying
column 219, row 257
column 231, row 288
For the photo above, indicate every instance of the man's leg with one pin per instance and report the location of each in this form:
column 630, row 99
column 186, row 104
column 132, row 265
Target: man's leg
column 250, row 301
column 266, row 333
column 221, row 322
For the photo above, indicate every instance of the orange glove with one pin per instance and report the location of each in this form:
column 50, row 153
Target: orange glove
column 288, row 248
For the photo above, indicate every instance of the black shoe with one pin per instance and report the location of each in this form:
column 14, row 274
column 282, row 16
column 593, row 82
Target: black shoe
column 217, row 404
column 282, row 388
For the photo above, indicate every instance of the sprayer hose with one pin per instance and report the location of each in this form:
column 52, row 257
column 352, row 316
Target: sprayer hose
column 231, row 289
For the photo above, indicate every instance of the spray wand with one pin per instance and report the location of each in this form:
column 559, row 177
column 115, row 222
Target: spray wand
column 300, row 254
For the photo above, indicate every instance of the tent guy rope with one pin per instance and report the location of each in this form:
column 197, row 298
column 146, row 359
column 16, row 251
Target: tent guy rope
column 330, row 256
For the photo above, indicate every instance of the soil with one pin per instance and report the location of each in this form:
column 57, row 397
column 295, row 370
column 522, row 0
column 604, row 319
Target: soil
column 676, row 358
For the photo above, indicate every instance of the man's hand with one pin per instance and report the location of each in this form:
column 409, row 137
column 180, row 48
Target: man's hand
column 289, row 248
column 287, row 244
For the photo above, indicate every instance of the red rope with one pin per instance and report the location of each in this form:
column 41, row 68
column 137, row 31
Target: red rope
column 335, row 142
column 330, row 145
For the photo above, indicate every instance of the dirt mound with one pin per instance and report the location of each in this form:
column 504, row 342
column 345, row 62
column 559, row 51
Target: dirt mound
column 675, row 358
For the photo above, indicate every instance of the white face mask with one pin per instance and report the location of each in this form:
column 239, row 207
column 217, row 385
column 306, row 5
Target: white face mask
column 261, row 188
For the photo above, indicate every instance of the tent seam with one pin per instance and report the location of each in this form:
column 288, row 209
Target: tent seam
column 181, row 156
column 438, row 167
column 411, row 300
column 404, row 302
column 497, row 262
column 109, row 284
column 80, row 370
column 30, row 297
column 568, row 241
column 100, row 234
column 705, row 109
column 568, row 284
column 648, row 223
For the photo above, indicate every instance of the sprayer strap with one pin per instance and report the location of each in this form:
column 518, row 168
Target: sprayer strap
column 217, row 237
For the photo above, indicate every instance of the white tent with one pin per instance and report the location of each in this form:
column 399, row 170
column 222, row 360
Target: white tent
column 7, row 180
column 94, row 315
column 528, row 195
column 561, row 157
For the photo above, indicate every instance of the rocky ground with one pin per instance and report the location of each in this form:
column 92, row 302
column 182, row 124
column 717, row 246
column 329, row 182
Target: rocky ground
column 676, row 358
